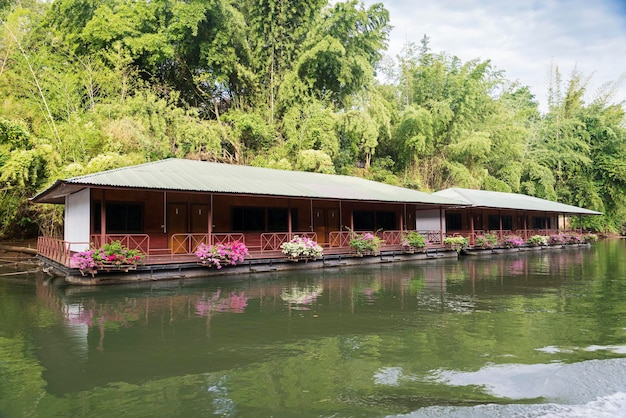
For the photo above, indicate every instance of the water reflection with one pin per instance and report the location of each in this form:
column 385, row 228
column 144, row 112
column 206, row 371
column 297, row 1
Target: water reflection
column 443, row 287
column 302, row 296
column 234, row 302
column 370, row 341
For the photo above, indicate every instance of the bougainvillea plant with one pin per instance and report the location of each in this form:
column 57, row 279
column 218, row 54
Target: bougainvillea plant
column 365, row 242
column 111, row 254
column 513, row 241
column 220, row 255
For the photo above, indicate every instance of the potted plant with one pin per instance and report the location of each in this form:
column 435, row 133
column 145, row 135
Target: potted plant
column 301, row 248
column 537, row 241
column 486, row 241
column 220, row 255
column 413, row 240
column 574, row 238
column 557, row 239
column 365, row 243
column 513, row 241
column 456, row 243
column 111, row 256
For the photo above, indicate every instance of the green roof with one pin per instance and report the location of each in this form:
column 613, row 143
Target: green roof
column 200, row 176
column 500, row 200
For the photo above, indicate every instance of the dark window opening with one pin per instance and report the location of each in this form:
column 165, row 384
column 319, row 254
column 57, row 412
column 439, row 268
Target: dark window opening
column 541, row 222
column 249, row 219
column 386, row 221
column 494, row 222
column 120, row 218
column 365, row 220
column 454, row 222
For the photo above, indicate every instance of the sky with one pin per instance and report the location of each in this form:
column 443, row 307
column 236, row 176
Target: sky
column 524, row 38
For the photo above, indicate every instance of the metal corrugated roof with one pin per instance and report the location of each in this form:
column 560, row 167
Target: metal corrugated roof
column 200, row 176
column 501, row 200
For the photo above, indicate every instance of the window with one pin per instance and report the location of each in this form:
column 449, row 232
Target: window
column 454, row 222
column 541, row 222
column 367, row 220
column 363, row 220
column 246, row 219
column 494, row 222
column 120, row 218
column 386, row 220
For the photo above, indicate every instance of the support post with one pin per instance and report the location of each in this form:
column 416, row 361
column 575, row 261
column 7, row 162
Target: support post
column 289, row 227
column 440, row 225
column 312, row 228
column 340, row 217
column 165, row 212
column 210, row 226
column 103, row 218
column 471, row 240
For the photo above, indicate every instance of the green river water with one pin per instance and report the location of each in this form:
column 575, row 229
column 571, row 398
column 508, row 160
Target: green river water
column 536, row 333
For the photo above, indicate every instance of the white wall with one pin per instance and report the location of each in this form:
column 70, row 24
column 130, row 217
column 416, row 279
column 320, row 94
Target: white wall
column 77, row 219
column 428, row 220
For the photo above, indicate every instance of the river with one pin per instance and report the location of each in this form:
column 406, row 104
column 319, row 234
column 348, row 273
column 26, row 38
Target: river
column 530, row 334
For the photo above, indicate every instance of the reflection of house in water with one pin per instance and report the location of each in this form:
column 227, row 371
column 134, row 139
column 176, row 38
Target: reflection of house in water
column 236, row 302
column 301, row 297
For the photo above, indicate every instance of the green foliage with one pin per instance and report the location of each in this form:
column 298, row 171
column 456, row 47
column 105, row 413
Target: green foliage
column 91, row 85
column 364, row 243
column 413, row 239
column 456, row 241
column 316, row 161
column 537, row 241
column 486, row 240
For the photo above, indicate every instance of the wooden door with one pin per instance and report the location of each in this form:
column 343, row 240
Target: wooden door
column 332, row 216
column 324, row 221
column 199, row 219
column 177, row 222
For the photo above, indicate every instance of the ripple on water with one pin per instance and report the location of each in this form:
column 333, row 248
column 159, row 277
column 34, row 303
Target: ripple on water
column 590, row 388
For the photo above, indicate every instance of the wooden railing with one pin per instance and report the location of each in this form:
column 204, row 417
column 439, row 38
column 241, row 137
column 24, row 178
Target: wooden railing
column 57, row 249
column 227, row 237
column 273, row 241
column 186, row 243
column 395, row 237
column 133, row 241
column 502, row 234
column 432, row 237
column 342, row 238
column 392, row 237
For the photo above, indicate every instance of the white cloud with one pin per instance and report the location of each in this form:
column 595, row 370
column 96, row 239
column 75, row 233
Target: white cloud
column 523, row 38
